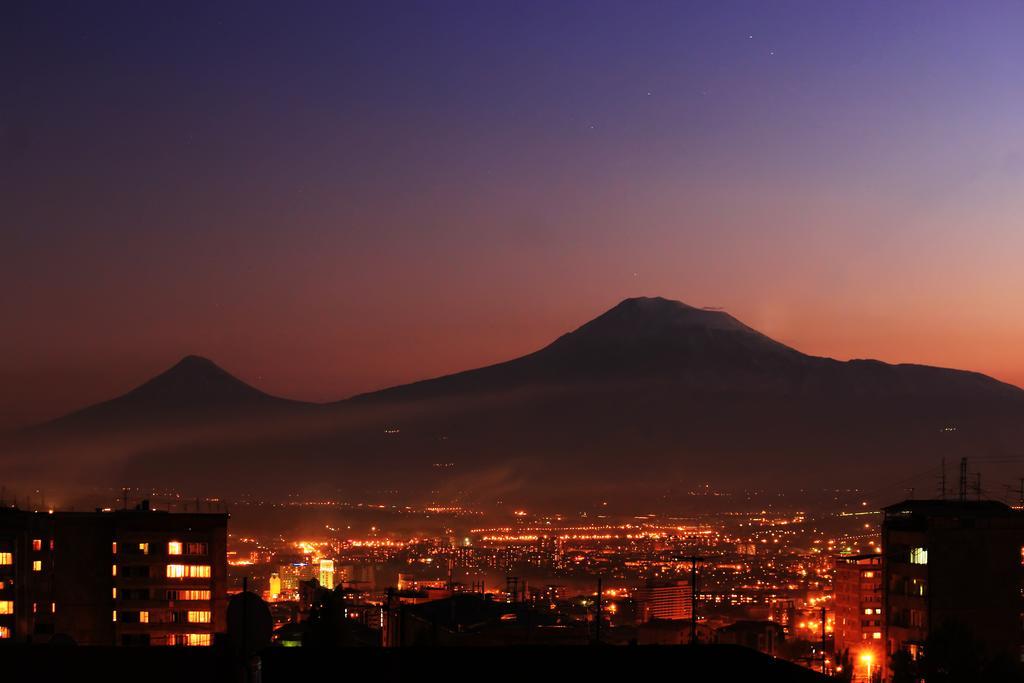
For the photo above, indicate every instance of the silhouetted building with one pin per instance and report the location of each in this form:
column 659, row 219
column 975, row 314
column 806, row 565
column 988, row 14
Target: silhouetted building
column 857, row 589
column 671, row 632
column 471, row 619
column 127, row 577
column 763, row 636
column 542, row 664
column 952, row 564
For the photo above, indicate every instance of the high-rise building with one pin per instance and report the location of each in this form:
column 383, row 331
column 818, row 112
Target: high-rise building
column 665, row 600
column 127, row 577
column 292, row 575
column 857, row 590
column 952, row 564
column 274, row 590
column 327, row 574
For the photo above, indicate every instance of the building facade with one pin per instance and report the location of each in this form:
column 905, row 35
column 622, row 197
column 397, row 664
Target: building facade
column 124, row 577
column 666, row 600
column 952, row 564
column 857, row 591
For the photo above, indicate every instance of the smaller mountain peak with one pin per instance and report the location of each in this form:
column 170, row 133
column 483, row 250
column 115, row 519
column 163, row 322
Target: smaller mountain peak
column 194, row 369
column 194, row 361
column 195, row 380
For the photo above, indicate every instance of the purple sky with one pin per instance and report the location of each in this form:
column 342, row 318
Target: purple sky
column 336, row 197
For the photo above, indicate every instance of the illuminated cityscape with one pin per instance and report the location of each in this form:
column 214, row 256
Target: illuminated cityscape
column 827, row 590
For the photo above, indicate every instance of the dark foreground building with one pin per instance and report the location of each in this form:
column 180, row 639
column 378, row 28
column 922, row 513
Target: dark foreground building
column 124, row 577
column 536, row 664
column 953, row 566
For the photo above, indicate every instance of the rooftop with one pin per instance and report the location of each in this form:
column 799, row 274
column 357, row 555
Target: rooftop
column 951, row 508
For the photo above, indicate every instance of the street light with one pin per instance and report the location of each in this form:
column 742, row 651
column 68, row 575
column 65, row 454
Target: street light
column 868, row 660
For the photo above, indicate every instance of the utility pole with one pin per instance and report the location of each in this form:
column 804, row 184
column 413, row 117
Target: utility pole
column 963, row 480
column 823, row 617
column 693, row 599
column 245, row 626
column 387, row 635
column 512, row 587
column 451, row 570
column 693, row 560
column 942, row 490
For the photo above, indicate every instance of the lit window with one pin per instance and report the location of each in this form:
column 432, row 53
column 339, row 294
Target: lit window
column 113, row 616
column 144, row 617
column 114, row 595
column 37, row 544
column 113, row 570
column 192, row 571
column 877, row 635
column 4, row 632
column 867, row 610
column 196, row 594
column 918, row 556
column 199, row 639
column 113, row 547
column 144, row 548
column 6, row 607
column 37, row 565
column 6, row 558
column 196, row 549
column 174, row 547
column 198, row 617
column 869, row 575
column 53, row 608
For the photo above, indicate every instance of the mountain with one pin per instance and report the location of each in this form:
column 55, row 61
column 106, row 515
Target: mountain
column 644, row 340
column 639, row 403
column 193, row 390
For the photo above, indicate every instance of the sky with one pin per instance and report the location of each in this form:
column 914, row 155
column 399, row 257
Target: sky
column 329, row 198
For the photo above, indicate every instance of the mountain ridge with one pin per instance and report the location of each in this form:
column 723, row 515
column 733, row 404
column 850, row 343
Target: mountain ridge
column 649, row 392
column 681, row 342
column 650, row 321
